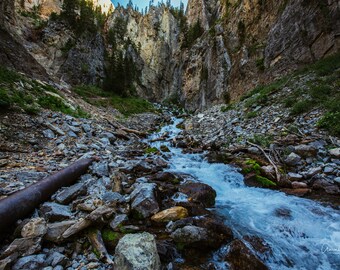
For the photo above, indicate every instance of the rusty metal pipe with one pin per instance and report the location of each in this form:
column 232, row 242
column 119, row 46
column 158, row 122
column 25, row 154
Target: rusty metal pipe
column 22, row 203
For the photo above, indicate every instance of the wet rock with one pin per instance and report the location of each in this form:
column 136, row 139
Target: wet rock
column 101, row 169
column 190, row 235
column 283, row 213
column 49, row 134
column 164, row 148
column 56, row 230
column 240, row 257
column 118, row 221
column 167, row 251
column 144, row 203
column 32, row 262
column 35, row 227
column 137, row 251
column 335, row 152
column 299, row 185
column 199, row 193
column 304, row 150
column 142, row 168
column 69, row 193
column 166, row 177
column 292, row 159
column 216, row 233
column 259, row 245
column 296, row 192
column 171, row 214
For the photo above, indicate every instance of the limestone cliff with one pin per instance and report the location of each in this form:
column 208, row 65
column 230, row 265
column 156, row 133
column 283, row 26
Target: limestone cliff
column 243, row 43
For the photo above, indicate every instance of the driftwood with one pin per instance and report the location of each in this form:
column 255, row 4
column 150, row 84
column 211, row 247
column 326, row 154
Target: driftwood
column 20, row 204
column 278, row 176
column 97, row 242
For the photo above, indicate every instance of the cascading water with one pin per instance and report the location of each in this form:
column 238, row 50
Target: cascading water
column 301, row 233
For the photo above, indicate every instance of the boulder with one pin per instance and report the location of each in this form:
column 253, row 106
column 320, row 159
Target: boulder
column 55, row 212
column 213, row 233
column 240, row 257
column 137, row 251
column 171, row 214
column 199, row 193
column 144, row 202
column 298, row 185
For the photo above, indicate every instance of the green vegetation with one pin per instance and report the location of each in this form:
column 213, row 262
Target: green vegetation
column 125, row 105
column 253, row 167
column 251, row 115
column 262, row 140
column 110, row 236
column 320, row 91
column 151, row 150
column 17, row 91
column 192, row 34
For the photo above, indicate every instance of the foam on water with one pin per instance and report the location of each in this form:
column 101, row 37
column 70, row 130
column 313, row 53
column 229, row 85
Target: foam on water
column 302, row 234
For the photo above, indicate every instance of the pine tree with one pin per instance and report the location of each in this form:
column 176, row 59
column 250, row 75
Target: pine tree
column 69, row 11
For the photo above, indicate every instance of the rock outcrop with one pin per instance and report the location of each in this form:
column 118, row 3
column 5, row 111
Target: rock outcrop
column 241, row 44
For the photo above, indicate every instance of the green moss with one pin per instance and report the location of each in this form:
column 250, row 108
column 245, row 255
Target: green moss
column 265, row 182
column 151, row 150
column 302, row 107
column 8, row 76
column 5, row 101
column 109, row 236
column 252, row 166
column 251, row 115
column 262, row 140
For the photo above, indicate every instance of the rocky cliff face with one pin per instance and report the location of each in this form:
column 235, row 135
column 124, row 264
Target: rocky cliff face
column 244, row 43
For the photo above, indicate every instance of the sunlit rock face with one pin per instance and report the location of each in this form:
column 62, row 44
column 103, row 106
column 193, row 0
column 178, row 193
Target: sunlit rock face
column 106, row 5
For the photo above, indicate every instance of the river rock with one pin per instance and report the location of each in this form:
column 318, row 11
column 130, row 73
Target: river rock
column 298, row 185
column 137, row 251
column 240, row 257
column 215, row 232
column 28, row 177
column 144, row 203
column 190, row 235
column 68, row 194
column 22, row 247
column 49, row 134
column 171, row 214
column 292, row 159
column 32, row 262
column 55, row 212
column 166, row 177
column 35, row 227
column 199, row 193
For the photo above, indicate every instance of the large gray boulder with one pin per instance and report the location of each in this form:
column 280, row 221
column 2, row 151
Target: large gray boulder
column 137, row 252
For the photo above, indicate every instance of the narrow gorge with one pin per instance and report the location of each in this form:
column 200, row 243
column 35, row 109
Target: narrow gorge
column 202, row 134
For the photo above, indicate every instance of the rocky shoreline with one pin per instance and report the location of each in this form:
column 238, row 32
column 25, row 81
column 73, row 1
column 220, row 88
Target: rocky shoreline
column 120, row 211
column 273, row 149
column 125, row 207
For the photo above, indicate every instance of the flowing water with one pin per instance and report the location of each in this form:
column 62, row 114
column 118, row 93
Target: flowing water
column 302, row 234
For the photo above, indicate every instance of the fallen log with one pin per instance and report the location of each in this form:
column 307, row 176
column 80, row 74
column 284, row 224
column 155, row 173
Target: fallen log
column 22, row 203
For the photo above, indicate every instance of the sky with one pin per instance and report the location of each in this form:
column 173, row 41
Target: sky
column 143, row 3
